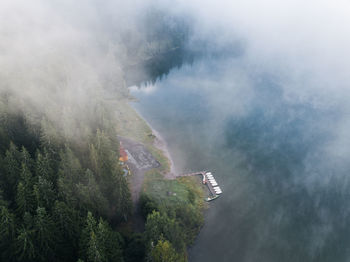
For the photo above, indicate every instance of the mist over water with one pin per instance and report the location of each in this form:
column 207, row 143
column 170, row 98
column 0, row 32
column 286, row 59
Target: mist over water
column 265, row 107
column 277, row 159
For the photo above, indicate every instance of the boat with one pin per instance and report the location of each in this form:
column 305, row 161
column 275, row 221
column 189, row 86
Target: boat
column 211, row 198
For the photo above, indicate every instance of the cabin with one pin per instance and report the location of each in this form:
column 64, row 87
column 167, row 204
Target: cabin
column 123, row 156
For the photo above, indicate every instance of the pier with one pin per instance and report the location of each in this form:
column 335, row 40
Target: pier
column 208, row 179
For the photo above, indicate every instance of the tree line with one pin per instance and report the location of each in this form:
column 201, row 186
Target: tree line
column 60, row 199
column 65, row 199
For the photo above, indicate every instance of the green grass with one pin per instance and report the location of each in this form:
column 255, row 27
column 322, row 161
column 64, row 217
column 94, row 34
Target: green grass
column 162, row 159
column 174, row 192
column 130, row 124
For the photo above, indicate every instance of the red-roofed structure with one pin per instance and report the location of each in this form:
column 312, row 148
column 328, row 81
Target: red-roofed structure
column 123, row 156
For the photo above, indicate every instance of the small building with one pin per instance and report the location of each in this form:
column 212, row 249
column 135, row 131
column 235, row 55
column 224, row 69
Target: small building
column 123, row 156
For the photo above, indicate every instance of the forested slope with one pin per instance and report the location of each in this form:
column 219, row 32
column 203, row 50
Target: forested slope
column 59, row 198
column 63, row 196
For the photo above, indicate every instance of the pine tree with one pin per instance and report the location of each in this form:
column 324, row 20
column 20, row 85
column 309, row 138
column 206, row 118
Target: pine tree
column 164, row 252
column 159, row 225
column 89, row 228
column 110, row 177
column 68, row 224
column 109, row 242
column 12, row 171
column 44, row 193
column 104, row 157
column 24, row 196
column 122, row 195
column 24, row 199
column 99, row 242
column 25, row 245
column 7, row 233
column 43, row 167
column 90, row 195
column 26, row 159
column 44, row 234
column 70, row 173
column 94, row 253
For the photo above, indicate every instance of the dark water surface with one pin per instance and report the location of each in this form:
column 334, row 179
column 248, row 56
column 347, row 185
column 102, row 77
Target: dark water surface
column 286, row 197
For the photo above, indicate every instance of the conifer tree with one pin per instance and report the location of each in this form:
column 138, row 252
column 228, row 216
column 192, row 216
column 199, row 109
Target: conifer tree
column 44, row 234
column 94, row 253
column 12, row 171
column 164, row 252
column 67, row 222
column 24, row 196
column 25, row 240
column 159, row 225
column 70, row 173
column 43, row 167
column 109, row 242
column 44, row 193
column 89, row 228
column 90, row 195
column 7, row 233
column 26, row 159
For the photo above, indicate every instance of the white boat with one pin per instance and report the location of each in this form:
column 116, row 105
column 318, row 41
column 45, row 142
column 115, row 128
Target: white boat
column 214, row 184
column 211, row 198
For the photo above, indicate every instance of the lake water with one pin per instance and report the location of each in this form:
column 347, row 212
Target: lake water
column 284, row 180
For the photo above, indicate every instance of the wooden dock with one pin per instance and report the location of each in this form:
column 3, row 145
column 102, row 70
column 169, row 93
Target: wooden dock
column 194, row 173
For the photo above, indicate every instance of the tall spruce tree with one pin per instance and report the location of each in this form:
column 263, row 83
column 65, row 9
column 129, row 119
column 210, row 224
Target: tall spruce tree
column 12, row 171
column 45, row 235
column 25, row 240
column 7, row 233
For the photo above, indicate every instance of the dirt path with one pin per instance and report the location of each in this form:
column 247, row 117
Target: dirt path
column 140, row 160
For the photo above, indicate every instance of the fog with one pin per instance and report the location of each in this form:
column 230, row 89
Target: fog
column 301, row 47
column 58, row 59
column 265, row 107
column 272, row 78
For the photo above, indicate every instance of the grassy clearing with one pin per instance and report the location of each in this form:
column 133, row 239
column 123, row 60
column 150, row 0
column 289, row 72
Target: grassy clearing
column 185, row 190
column 130, row 124
column 162, row 159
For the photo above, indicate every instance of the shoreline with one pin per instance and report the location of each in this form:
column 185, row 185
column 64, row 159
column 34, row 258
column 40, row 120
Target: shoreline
column 161, row 144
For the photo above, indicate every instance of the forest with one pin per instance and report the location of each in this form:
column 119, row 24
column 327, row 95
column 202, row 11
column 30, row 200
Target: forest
column 64, row 199
column 63, row 194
